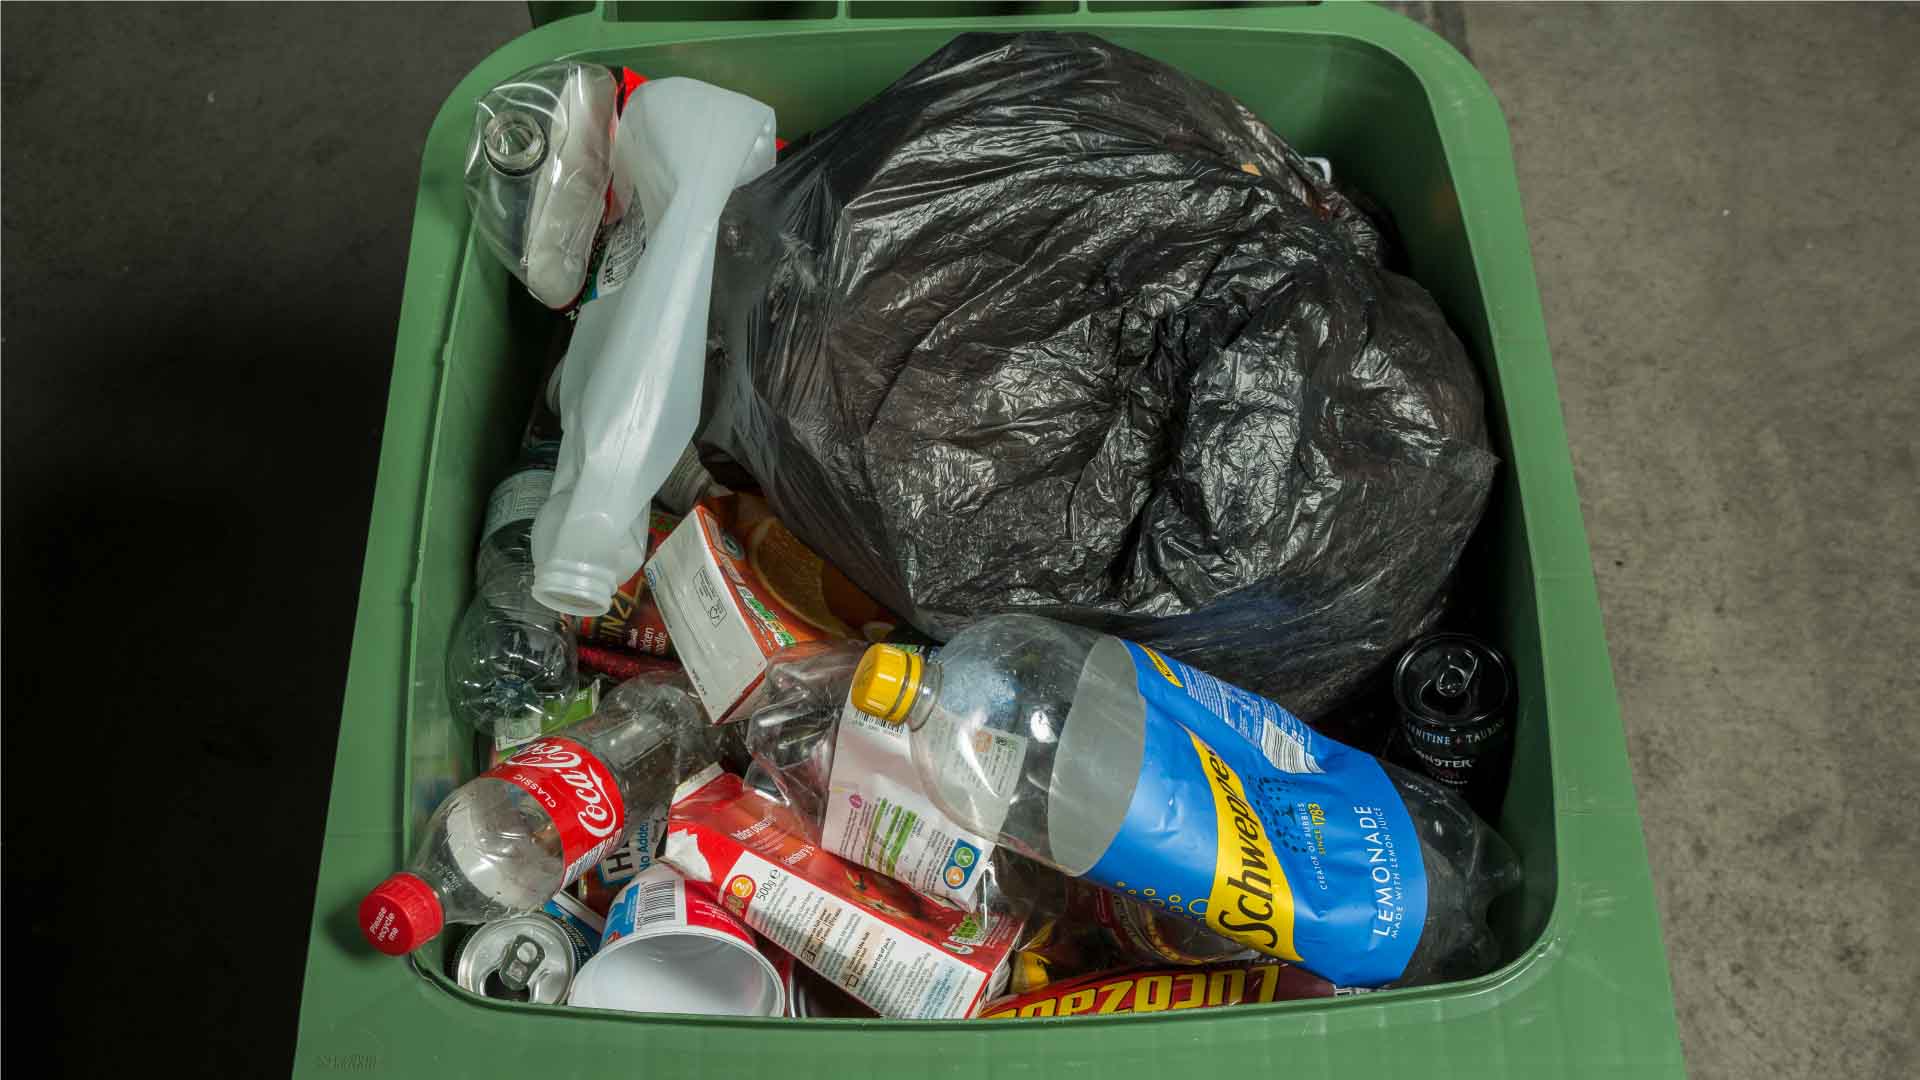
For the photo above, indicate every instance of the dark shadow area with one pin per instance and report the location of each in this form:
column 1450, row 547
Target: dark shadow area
column 206, row 220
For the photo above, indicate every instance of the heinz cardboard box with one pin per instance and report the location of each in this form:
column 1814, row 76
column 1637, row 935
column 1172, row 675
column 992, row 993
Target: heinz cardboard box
column 734, row 587
column 902, row 955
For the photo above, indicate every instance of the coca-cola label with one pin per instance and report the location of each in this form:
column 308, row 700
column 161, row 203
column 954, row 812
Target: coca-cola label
column 579, row 793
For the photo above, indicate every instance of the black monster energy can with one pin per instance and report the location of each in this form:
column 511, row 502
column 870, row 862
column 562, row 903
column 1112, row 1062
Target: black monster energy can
column 1455, row 694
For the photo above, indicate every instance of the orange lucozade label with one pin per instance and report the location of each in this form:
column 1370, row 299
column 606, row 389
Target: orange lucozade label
column 1165, row 990
column 734, row 587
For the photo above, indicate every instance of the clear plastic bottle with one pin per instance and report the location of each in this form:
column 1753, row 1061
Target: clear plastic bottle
column 513, row 663
column 791, row 734
column 512, row 837
column 1109, row 761
column 538, row 168
column 795, row 737
column 852, row 780
column 1117, row 930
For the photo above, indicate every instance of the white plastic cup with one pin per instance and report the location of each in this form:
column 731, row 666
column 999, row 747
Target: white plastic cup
column 670, row 949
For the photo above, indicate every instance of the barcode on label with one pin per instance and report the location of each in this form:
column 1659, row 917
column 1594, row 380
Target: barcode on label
column 1285, row 751
column 660, row 901
column 625, row 244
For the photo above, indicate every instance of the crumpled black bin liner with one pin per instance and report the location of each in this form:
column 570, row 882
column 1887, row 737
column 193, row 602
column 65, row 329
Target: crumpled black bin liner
column 1048, row 326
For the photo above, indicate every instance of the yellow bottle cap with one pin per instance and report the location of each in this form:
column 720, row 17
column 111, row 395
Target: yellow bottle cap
column 885, row 682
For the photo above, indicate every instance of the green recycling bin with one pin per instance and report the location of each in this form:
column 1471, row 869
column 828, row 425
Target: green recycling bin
column 1402, row 116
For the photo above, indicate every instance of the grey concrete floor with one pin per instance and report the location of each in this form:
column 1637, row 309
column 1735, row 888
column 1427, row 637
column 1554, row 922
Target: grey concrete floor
column 1722, row 206
column 206, row 208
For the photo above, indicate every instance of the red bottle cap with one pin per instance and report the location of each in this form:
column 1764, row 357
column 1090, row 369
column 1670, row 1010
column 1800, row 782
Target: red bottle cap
column 401, row 914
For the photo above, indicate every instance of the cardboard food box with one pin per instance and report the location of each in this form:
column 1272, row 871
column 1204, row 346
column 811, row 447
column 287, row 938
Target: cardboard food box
column 901, row 954
column 734, row 587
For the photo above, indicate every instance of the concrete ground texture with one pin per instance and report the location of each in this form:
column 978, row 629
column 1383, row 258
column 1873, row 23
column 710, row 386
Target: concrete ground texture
column 1724, row 204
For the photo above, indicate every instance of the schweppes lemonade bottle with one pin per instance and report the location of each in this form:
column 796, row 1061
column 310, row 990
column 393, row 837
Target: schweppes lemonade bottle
column 1115, row 763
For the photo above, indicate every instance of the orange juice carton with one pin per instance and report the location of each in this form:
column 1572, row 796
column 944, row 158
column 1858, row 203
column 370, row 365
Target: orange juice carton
column 734, row 587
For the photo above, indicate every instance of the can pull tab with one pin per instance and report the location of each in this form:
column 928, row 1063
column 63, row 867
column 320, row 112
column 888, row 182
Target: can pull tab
column 1449, row 690
column 519, row 962
column 1457, row 673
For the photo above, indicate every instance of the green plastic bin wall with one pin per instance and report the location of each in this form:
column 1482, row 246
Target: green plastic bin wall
column 1399, row 113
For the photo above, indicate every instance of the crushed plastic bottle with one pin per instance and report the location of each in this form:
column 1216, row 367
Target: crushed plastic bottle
column 538, row 168
column 1108, row 929
column 512, row 666
column 509, row 839
column 853, row 782
column 1112, row 762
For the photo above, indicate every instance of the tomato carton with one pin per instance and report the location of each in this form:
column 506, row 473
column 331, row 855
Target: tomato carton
column 904, row 956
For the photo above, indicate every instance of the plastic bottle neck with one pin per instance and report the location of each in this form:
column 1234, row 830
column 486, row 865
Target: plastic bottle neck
column 924, row 692
column 574, row 588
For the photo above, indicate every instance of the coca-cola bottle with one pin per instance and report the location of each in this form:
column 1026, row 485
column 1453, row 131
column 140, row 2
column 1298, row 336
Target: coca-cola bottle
column 512, row 837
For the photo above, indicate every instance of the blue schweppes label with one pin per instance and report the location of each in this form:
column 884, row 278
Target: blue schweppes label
column 1245, row 819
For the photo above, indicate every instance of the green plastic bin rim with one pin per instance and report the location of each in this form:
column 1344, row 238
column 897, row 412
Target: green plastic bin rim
column 1600, row 946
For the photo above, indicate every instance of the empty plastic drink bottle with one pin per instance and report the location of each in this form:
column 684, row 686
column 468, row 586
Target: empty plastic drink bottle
column 513, row 663
column 538, row 167
column 853, row 781
column 1114, row 763
column 1121, row 931
column 512, row 837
